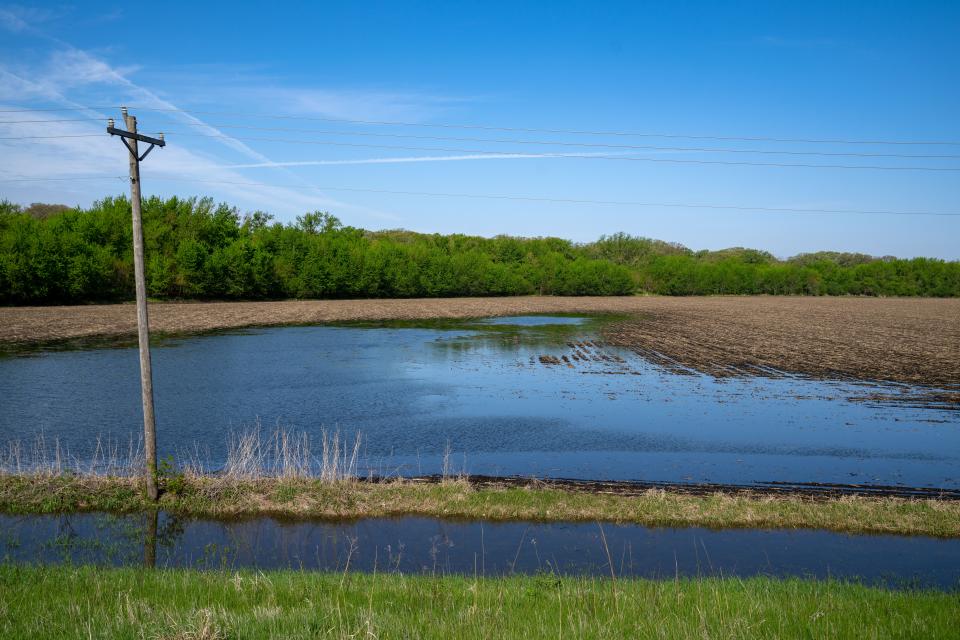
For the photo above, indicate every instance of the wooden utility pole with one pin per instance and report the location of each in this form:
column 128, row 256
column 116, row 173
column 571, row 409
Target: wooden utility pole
column 143, row 322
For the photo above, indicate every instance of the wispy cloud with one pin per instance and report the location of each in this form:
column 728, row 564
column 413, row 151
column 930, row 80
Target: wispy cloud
column 66, row 156
column 405, row 159
column 75, row 68
column 363, row 105
column 260, row 91
column 77, row 148
column 75, row 78
column 15, row 17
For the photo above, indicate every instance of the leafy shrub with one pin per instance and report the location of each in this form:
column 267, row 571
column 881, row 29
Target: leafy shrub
column 50, row 254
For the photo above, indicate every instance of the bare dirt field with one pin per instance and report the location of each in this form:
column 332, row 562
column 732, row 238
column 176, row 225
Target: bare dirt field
column 915, row 341
column 901, row 340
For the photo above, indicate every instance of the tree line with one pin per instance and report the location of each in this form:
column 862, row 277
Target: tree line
column 198, row 249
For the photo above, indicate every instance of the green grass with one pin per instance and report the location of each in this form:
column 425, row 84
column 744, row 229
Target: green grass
column 90, row 602
column 310, row 498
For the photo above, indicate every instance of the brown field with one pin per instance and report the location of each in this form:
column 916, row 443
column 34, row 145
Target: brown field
column 914, row 341
column 907, row 340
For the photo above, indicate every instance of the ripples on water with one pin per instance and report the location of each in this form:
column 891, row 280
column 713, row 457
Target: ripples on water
column 528, row 396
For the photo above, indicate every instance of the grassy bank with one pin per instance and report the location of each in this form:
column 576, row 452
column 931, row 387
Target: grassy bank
column 311, row 498
column 56, row 602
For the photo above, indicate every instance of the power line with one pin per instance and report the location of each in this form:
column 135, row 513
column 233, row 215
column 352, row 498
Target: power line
column 50, row 121
column 70, row 135
column 632, row 203
column 587, row 201
column 569, row 155
column 570, row 144
column 515, row 129
column 42, row 110
column 66, row 179
column 559, row 143
column 582, row 156
column 560, row 131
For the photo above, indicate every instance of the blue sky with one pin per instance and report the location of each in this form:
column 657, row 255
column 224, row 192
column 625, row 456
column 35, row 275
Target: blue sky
column 883, row 71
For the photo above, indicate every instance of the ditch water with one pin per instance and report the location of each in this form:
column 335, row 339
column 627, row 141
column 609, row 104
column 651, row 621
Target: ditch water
column 425, row 545
column 523, row 396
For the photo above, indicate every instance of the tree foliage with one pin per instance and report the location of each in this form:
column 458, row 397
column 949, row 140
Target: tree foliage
column 198, row 249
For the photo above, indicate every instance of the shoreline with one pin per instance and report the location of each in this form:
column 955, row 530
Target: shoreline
column 306, row 498
column 910, row 341
column 807, row 490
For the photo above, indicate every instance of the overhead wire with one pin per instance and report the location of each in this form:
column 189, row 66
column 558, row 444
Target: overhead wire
column 559, row 143
column 590, row 132
column 521, row 198
column 563, row 143
column 48, row 109
column 51, row 121
column 525, row 142
column 548, row 130
column 66, row 178
column 584, row 156
column 65, row 135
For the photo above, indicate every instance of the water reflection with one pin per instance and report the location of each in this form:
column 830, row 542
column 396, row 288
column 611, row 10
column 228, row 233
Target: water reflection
column 530, row 396
column 425, row 545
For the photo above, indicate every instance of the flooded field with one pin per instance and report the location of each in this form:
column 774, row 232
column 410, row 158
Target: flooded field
column 532, row 395
column 426, row 545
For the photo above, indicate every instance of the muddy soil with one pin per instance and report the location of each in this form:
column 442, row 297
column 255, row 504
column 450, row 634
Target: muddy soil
column 812, row 490
column 893, row 340
column 905, row 340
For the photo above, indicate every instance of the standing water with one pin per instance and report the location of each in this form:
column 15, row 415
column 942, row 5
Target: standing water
column 428, row 545
column 532, row 395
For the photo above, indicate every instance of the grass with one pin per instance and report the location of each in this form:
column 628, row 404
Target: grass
column 283, row 473
column 297, row 497
column 92, row 602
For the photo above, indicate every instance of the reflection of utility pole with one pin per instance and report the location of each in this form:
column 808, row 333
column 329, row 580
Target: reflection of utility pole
column 143, row 324
column 150, row 540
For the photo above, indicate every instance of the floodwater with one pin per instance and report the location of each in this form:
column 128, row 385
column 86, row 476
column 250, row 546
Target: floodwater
column 533, row 395
column 426, row 545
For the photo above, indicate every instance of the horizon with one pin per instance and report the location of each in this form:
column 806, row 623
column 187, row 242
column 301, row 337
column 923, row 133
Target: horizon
column 351, row 110
column 600, row 237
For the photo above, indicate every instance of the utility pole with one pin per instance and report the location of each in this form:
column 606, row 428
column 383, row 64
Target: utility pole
column 143, row 323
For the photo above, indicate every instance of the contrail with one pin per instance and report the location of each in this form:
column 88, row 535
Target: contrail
column 106, row 70
column 399, row 160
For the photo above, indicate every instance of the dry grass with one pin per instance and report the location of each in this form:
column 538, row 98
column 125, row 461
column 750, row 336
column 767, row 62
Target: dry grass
column 907, row 340
column 281, row 473
column 285, row 454
column 49, row 458
column 252, row 454
column 219, row 497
